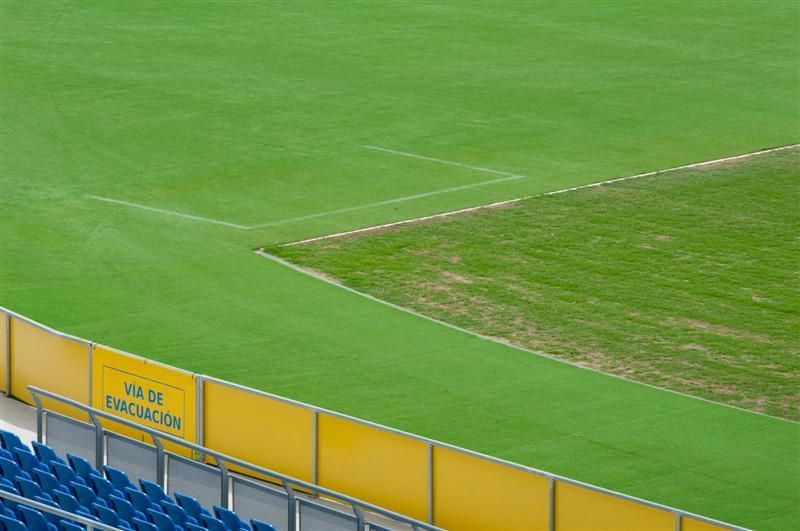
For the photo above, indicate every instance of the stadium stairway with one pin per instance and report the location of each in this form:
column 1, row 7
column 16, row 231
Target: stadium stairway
column 72, row 484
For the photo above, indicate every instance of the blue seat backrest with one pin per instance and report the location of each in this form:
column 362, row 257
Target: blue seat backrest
column 125, row 509
column 212, row 524
column 81, row 466
column 46, row 454
column 258, row 525
column 12, row 524
column 153, row 491
column 34, row 520
column 143, row 525
column 10, row 470
column 9, row 441
column 162, row 521
column 118, row 478
column 191, row 505
column 230, row 518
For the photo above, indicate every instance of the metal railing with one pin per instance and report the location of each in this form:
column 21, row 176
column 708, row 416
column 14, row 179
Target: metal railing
column 222, row 460
column 43, row 507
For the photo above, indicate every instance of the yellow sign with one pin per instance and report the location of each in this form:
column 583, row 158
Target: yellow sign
column 152, row 403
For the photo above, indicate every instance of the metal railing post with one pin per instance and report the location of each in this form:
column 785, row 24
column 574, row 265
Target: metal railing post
column 225, row 485
column 39, row 418
column 90, row 348
column 199, row 432
column 99, row 442
column 291, row 506
column 551, row 492
column 161, row 469
column 315, row 448
column 430, row 483
column 7, row 317
column 361, row 522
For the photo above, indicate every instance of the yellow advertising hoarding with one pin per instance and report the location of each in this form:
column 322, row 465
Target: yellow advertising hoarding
column 470, row 492
column 386, row 468
column 48, row 360
column 145, row 392
column 581, row 508
column 245, row 425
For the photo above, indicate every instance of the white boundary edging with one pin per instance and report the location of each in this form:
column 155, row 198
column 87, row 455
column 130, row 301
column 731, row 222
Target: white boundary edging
column 518, row 199
column 299, row 269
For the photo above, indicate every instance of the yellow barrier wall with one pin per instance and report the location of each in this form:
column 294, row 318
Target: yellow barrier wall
column 584, row 509
column 46, row 360
column 258, row 429
column 3, row 349
column 385, row 468
column 474, row 493
column 690, row 524
column 142, row 391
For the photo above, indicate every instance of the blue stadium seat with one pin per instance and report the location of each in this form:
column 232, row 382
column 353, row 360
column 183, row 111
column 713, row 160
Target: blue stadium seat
column 118, row 478
column 162, row 521
column 230, row 518
column 65, row 474
column 29, row 462
column 143, row 525
column 103, row 487
column 153, row 491
column 193, row 527
column 46, row 454
column 178, row 514
column 85, row 495
column 125, row 509
column 31, row 490
column 70, row 526
column 8, row 486
column 258, row 525
column 52, row 518
column 108, row 516
column 5, row 454
column 12, row 524
column 34, row 520
column 140, row 500
column 191, row 506
column 81, row 466
column 49, row 482
column 10, row 470
column 9, row 441
column 68, row 502
column 212, row 524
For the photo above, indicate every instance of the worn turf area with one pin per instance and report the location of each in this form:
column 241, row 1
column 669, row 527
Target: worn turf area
column 254, row 113
column 687, row 280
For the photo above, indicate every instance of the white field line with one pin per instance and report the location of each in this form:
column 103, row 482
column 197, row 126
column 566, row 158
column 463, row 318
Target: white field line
column 387, row 202
column 518, row 199
column 440, row 161
column 299, row 269
column 167, row 212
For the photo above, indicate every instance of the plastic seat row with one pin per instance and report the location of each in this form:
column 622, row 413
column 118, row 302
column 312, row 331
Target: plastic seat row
column 112, row 498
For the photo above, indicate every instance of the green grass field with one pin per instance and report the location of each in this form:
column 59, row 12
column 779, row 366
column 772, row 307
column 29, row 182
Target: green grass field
column 694, row 291
column 257, row 114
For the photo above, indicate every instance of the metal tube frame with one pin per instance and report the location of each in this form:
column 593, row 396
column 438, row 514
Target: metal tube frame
column 229, row 460
column 7, row 317
column 74, row 517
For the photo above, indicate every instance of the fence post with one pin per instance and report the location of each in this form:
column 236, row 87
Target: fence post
column 7, row 317
column 161, row 471
column 199, row 431
column 361, row 523
column 430, row 482
column 90, row 348
column 225, row 485
column 292, row 506
column 314, row 448
column 99, row 442
column 39, row 418
column 552, row 503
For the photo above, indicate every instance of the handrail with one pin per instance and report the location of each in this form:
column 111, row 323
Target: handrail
column 88, row 522
column 158, row 435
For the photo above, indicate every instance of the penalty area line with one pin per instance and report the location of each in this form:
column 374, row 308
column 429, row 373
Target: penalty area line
column 518, row 199
column 167, row 212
